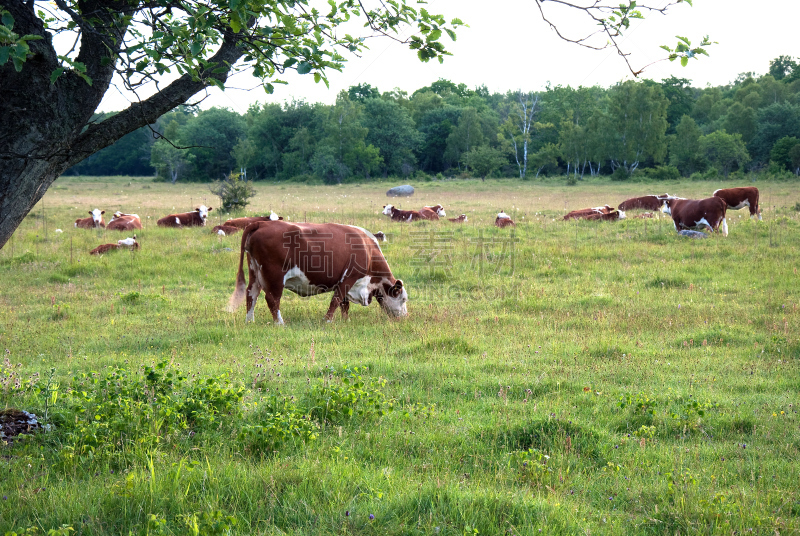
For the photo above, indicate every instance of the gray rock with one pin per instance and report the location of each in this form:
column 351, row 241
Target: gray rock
column 692, row 234
column 400, row 191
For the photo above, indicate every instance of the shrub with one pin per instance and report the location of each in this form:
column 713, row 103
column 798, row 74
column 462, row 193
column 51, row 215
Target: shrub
column 345, row 395
column 663, row 173
column 234, row 192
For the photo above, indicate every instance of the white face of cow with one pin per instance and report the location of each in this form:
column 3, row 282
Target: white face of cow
column 621, row 215
column 203, row 211
column 503, row 216
column 97, row 215
column 665, row 207
column 440, row 211
column 273, row 216
column 387, row 210
column 394, row 300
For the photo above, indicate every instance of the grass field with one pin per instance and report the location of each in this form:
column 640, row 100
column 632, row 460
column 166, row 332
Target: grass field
column 561, row 378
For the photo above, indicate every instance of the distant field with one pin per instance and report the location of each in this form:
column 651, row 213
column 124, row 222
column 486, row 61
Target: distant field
column 560, row 378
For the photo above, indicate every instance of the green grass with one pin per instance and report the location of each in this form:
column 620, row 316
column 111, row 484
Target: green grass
column 659, row 375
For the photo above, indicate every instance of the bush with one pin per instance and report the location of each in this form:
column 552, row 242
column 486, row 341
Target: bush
column 620, row 174
column 234, row 192
column 662, row 173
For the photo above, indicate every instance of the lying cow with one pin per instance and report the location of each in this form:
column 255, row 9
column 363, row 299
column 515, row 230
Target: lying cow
column 460, row 219
column 197, row 218
column 126, row 243
column 432, row 213
column 241, row 223
column 738, row 198
column 504, row 220
column 225, row 230
column 647, row 202
column 606, row 216
column 691, row 213
column 586, row 212
column 396, row 214
column 312, row 258
column 93, row 222
column 380, row 236
column 124, row 222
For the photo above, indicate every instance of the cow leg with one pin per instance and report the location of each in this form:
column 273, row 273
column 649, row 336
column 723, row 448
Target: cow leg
column 274, row 303
column 724, row 226
column 338, row 300
column 345, row 306
column 253, row 290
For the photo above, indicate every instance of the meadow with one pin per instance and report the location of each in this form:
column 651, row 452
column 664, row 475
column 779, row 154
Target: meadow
column 558, row 378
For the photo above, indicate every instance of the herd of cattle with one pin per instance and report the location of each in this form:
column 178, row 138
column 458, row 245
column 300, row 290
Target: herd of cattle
column 314, row 258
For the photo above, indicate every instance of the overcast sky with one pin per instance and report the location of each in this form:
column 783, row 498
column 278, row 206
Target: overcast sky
column 509, row 47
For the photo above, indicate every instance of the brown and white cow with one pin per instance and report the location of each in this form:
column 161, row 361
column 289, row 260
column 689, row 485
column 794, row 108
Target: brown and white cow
column 126, row 243
column 738, row 198
column 691, row 213
column 433, row 213
column 380, row 235
column 646, row 202
column 197, row 218
column 582, row 213
column 313, row 258
column 395, row 214
column 225, row 230
column 124, row 222
column 606, row 216
column 460, row 219
column 95, row 221
column 241, row 223
column 504, row 220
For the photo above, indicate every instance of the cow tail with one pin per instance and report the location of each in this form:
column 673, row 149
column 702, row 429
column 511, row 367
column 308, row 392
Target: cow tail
column 239, row 291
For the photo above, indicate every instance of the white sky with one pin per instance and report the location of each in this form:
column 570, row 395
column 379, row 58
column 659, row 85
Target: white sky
column 509, row 47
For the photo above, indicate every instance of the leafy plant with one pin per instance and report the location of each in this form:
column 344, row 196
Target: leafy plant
column 234, row 192
column 346, row 394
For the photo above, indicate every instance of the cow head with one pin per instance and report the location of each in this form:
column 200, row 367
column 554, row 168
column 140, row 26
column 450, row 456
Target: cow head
column 97, row 215
column 503, row 216
column 621, row 215
column 203, row 211
column 387, row 210
column 116, row 215
column 666, row 207
column 393, row 298
column 439, row 211
column 273, row 216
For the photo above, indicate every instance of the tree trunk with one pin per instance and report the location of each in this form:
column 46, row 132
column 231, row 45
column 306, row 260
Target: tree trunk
column 46, row 127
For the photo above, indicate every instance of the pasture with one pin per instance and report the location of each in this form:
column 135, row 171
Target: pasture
column 558, row 378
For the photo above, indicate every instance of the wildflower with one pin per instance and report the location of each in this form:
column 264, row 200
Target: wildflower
column 372, row 516
column 347, row 513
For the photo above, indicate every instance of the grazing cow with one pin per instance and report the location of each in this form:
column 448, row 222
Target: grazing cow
column 312, row 258
column 690, row 213
column 124, row 222
column 126, row 243
column 197, row 218
column 647, row 202
column 504, row 220
column 738, row 198
column 460, row 219
column 586, row 212
column 380, row 236
column 225, row 230
column 95, row 222
column 241, row 223
column 432, row 213
column 396, row 214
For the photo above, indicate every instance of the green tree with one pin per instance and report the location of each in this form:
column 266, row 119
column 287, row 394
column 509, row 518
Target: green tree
column 211, row 137
column 782, row 66
column 724, row 150
column 392, row 131
column 484, row 160
column 362, row 92
column 781, row 152
column 684, row 148
column 678, row 92
column 520, row 127
column 466, row 135
column 547, row 155
column 741, row 119
column 435, row 127
column 635, row 125
column 169, row 161
column 774, row 122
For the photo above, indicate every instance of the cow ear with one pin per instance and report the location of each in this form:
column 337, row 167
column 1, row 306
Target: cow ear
column 102, row 212
column 210, row 209
column 396, row 289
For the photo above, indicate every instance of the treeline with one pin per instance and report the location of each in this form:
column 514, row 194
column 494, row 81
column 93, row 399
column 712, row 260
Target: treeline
column 662, row 130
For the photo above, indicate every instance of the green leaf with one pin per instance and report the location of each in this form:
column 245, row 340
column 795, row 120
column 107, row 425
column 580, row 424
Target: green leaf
column 235, row 25
column 55, row 74
column 684, row 61
column 17, row 63
column 4, row 51
column 685, row 40
column 317, row 78
column 8, row 20
column 304, row 68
